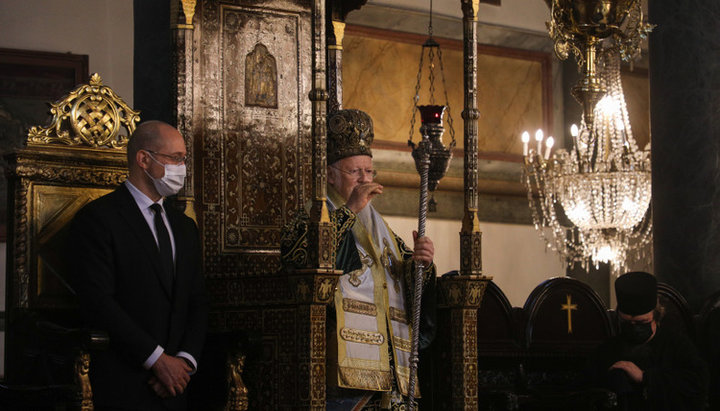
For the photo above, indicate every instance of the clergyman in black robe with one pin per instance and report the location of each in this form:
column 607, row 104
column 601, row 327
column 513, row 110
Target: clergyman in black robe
column 649, row 367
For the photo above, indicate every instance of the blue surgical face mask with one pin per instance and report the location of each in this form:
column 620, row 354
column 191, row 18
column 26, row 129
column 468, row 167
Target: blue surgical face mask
column 172, row 181
column 637, row 333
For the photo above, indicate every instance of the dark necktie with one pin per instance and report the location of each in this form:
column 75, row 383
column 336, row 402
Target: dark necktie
column 166, row 255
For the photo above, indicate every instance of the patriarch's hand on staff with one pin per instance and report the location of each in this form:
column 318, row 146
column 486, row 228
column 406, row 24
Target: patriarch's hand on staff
column 632, row 370
column 424, row 250
column 361, row 196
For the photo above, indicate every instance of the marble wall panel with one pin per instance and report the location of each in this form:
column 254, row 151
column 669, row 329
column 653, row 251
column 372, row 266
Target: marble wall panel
column 380, row 72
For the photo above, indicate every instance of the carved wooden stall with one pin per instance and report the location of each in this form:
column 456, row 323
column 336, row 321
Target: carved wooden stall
column 77, row 158
column 534, row 357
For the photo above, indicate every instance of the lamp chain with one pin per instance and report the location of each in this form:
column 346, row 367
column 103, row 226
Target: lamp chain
column 430, row 28
column 431, row 45
column 447, row 101
column 431, row 74
column 416, row 98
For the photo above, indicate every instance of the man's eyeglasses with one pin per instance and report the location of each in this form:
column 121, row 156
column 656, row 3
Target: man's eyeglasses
column 358, row 172
column 174, row 159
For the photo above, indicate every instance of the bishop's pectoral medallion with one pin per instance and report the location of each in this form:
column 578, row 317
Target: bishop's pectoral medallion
column 390, row 263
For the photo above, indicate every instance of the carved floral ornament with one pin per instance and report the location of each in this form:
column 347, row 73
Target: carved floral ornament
column 91, row 115
column 188, row 11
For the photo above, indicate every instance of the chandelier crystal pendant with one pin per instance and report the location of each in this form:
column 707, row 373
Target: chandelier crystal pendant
column 591, row 204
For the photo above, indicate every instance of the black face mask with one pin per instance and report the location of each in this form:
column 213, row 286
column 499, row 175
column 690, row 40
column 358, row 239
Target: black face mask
column 636, row 333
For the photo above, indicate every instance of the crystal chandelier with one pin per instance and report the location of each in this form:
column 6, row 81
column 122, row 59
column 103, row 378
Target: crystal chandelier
column 594, row 199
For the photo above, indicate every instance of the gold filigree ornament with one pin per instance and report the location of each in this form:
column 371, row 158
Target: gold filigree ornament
column 94, row 113
column 362, row 336
column 188, row 11
column 359, row 307
column 354, row 279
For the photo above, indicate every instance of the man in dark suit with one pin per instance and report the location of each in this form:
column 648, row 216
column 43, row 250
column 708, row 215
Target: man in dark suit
column 137, row 275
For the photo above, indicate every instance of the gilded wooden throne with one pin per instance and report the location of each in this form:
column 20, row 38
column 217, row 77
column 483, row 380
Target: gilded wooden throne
column 80, row 156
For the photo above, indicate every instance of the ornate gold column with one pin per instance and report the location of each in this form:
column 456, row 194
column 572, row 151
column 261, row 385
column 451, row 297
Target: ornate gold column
column 470, row 235
column 460, row 296
column 181, row 24
column 337, row 11
column 314, row 292
column 459, row 299
column 322, row 251
column 315, row 285
column 335, row 39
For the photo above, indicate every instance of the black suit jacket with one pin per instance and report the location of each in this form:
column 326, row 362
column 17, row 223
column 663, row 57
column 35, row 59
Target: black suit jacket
column 118, row 280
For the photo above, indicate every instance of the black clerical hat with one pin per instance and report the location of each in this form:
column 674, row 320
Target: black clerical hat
column 636, row 293
column 349, row 133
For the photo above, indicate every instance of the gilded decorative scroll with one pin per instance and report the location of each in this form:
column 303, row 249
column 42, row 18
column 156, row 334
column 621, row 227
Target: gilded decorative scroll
column 94, row 114
column 402, row 344
column 398, row 315
column 360, row 307
column 237, row 391
column 361, row 336
column 182, row 13
column 462, row 291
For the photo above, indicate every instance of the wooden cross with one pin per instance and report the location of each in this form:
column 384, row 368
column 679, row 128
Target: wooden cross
column 569, row 307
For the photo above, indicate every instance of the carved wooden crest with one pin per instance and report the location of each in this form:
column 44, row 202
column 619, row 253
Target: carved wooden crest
column 91, row 115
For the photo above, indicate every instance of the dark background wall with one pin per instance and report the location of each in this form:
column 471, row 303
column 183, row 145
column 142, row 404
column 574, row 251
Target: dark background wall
column 685, row 124
column 153, row 60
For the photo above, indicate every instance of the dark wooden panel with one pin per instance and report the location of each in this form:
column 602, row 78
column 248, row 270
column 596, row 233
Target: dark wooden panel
column 251, row 124
column 251, row 129
column 564, row 316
